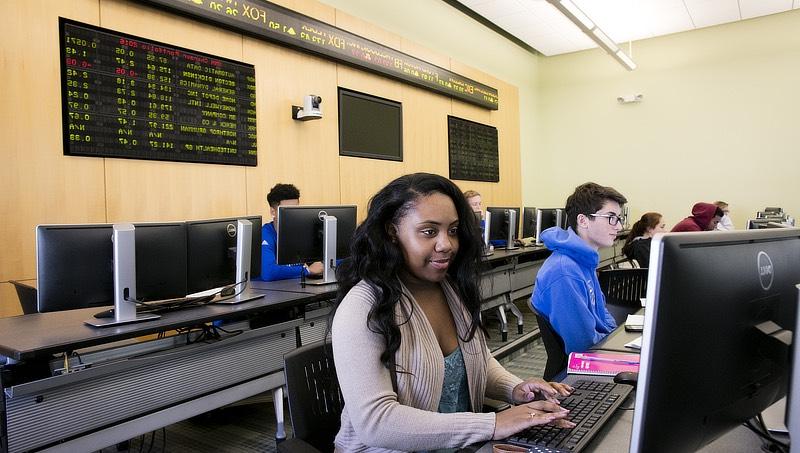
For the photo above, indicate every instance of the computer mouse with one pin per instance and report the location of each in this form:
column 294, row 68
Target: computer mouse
column 227, row 291
column 627, row 377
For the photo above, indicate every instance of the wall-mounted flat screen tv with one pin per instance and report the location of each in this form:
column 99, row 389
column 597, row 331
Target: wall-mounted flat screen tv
column 370, row 126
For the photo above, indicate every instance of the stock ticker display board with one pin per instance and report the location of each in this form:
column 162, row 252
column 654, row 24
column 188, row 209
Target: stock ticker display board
column 473, row 150
column 123, row 96
column 268, row 21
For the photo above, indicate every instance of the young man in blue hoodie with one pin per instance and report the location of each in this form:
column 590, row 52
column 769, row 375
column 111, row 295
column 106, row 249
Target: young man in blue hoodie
column 567, row 292
column 281, row 195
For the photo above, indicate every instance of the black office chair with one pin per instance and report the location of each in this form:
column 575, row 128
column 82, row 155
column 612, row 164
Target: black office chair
column 554, row 345
column 623, row 289
column 27, row 297
column 315, row 401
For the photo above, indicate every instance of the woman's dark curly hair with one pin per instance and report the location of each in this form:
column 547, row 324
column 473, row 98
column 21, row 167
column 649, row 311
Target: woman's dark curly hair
column 375, row 259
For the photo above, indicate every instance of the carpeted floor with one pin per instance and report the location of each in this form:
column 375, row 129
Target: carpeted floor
column 251, row 427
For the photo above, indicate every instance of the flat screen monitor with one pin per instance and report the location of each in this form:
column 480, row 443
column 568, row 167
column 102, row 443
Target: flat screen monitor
column 74, row 266
column 160, row 260
column 301, row 232
column 528, row 222
column 548, row 218
column 721, row 307
column 760, row 224
column 212, row 252
column 500, row 225
column 370, row 126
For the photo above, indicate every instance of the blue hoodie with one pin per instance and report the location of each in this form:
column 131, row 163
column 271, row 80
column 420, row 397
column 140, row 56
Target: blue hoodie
column 270, row 269
column 568, row 294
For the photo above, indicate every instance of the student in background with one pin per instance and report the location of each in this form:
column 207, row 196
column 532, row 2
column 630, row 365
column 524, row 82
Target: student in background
column 725, row 222
column 281, row 195
column 705, row 217
column 474, row 200
column 567, row 291
column 637, row 246
column 410, row 352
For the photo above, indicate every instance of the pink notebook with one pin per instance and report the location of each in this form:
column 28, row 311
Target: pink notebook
column 601, row 363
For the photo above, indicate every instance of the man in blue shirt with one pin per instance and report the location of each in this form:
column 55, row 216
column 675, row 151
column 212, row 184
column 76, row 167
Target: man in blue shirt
column 567, row 291
column 281, row 195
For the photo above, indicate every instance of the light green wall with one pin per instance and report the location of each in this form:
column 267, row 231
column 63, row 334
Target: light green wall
column 719, row 119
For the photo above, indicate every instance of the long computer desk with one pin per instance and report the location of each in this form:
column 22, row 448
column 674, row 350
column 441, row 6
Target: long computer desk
column 120, row 385
column 616, row 434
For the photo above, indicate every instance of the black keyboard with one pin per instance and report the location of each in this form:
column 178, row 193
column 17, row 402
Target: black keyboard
column 591, row 405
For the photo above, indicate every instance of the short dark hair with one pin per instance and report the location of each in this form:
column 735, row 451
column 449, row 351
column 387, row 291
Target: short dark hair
column 588, row 198
column 282, row 192
column 719, row 212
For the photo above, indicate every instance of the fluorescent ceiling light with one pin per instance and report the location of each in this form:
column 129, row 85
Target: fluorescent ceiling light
column 579, row 18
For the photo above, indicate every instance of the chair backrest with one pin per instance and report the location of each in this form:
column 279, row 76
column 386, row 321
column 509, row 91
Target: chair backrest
column 315, row 401
column 554, row 345
column 623, row 289
column 27, row 297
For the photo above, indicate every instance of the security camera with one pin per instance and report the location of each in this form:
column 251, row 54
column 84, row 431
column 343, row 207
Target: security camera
column 629, row 98
column 310, row 109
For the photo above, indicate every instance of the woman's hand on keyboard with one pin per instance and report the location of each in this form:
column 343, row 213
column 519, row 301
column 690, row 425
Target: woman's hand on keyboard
column 538, row 389
column 517, row 418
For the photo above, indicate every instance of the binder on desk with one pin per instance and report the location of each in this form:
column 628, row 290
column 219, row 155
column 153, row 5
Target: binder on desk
column 601, row 363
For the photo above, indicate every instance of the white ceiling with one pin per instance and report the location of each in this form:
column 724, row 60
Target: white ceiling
column 541, row 26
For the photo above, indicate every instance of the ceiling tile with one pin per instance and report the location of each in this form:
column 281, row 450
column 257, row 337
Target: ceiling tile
column 756, row 8
column 706, row 13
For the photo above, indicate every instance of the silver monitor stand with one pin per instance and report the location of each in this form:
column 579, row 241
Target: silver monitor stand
column 244, row 242
column 124, row 243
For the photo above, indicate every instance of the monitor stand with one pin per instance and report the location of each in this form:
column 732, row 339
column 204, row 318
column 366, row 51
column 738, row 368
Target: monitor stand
column 124, row 243
column 329, row 253
column 512, row 220
column 244, row 239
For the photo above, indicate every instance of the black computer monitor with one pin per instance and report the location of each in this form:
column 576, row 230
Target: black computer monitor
column 760, row 224
column 528, row 222
column 720, row 308
column 301, row 234
column 548, row 218
column 75, row 264
column 160, row 260
column 500, row 227
column 74, row 267
column 212, row 252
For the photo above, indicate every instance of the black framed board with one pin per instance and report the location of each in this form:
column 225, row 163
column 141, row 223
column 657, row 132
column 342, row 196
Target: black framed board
column 129, row 97
column 269, row 21
column 473, row 150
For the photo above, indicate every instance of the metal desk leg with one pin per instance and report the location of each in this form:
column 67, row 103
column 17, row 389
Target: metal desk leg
column 518, row 314
column 501, row 312
column 277, row 398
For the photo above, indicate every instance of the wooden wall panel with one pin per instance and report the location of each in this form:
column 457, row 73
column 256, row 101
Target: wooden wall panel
column 38, row 184
column 303, row 153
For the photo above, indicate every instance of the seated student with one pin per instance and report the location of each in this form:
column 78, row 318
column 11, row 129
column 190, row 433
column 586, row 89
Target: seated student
column 410, row 352
column 281, row 195
column 705, row 217
column 474, row 200
column 637, row 246
column 725, row 222
column 567, row 291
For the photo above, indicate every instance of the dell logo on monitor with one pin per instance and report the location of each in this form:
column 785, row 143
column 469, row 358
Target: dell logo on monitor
column 765, row 271
column 231, row 230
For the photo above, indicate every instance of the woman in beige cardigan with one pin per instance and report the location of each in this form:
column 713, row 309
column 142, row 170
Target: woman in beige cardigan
column 410, row 353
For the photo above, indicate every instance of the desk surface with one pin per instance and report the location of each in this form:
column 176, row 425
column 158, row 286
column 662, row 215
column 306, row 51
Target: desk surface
column 27, row 336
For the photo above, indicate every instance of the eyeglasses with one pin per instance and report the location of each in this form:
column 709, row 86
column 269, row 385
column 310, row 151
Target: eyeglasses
column 613, row 219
